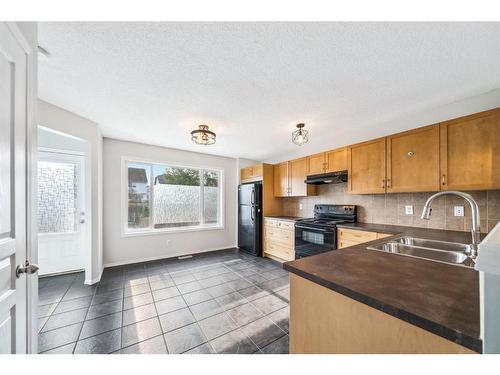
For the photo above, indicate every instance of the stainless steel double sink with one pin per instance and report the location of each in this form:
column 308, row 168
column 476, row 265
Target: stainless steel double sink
column 438, row 251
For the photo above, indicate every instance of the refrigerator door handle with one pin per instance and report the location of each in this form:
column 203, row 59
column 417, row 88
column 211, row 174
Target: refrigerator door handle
column 252, row 197
column 252, row 216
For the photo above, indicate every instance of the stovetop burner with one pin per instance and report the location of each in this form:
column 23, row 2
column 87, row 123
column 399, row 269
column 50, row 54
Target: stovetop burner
column 328, row 215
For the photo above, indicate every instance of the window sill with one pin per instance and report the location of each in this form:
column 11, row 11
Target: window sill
column 153, row 232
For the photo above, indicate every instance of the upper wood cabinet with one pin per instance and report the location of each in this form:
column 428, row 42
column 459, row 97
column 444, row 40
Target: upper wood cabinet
column 330, row 161
column 289, row 179
column 470, row 152
column 336, row 160
column 366, row 167
column 317, row 163
column 297, row 170
column 413, row 160
column 281, row 179
column 251, row 174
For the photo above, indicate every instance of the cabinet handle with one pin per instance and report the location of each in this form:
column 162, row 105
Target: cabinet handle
column 443, row 179
column 388, row 183
column 383, row 184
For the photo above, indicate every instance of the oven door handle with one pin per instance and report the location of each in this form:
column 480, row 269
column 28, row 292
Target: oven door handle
column 317, row 229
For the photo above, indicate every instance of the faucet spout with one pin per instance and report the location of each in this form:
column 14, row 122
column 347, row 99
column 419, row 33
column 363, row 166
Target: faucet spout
column 475, row 231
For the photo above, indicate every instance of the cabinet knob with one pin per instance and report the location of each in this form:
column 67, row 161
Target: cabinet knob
column 411, row 154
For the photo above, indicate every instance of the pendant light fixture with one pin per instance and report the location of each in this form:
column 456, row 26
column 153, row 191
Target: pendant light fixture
column 203, row 136
column 300, row 136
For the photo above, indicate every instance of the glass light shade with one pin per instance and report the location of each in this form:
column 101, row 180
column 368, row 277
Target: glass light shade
column 300, row 136
column 203, row 136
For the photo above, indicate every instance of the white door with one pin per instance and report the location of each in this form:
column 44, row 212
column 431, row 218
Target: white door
column 61, row 216
column 13, row 245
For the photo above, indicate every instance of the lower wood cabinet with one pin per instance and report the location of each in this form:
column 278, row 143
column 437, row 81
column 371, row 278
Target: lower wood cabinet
column 323, row 321
column 351, row 237
column 279, row 239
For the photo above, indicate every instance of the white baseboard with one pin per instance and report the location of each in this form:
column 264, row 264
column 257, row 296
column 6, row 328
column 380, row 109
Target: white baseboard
column 165, row 256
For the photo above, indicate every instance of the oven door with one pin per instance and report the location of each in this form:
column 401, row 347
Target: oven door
column 311, row 241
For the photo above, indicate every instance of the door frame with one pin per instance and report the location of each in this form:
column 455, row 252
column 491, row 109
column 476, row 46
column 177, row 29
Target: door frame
column 31, row 198
column 84, row 196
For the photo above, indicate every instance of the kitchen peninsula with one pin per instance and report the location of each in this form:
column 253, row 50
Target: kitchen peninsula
column 357, row 300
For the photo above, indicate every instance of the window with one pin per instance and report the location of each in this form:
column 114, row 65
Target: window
column 167, row 197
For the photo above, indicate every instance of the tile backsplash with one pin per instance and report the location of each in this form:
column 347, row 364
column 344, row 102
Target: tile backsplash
column 390, row 208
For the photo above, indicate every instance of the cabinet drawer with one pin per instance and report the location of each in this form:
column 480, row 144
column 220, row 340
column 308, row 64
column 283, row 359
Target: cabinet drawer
column 356, row 235
column 346, row 243
column 281, row 236
column 271, row 222
column 287, row 225
column 279, row 251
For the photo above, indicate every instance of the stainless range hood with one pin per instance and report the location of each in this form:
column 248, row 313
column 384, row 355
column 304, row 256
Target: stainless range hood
column 327, row 178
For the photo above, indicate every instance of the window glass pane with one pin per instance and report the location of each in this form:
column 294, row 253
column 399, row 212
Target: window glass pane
column 57, row 200
column 138, row 195
column 177, row 194
column 211, row 197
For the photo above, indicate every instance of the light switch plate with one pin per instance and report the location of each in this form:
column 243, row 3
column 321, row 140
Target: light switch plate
column 301, row 206
column 409, row 210
column 458, row 210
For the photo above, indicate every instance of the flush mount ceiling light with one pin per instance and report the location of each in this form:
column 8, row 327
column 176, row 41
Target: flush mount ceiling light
column 203, row 136
column 300, row 136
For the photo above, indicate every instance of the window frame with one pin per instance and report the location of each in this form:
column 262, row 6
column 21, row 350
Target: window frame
column 150, row 230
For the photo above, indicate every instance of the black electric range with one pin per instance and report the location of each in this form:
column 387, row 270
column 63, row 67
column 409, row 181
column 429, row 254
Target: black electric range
column 319, row 234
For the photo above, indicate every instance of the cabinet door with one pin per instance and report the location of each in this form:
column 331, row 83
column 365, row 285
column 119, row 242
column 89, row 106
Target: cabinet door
column 316, row 164
column 281, row 179
column 470, row 152
column 413, row 160
column 245, row 173
column 336, row 160
column 257, row 171
column 366, row 166
column 297, row 174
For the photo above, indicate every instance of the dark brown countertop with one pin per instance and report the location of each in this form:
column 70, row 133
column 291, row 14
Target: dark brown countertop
column 440, row 298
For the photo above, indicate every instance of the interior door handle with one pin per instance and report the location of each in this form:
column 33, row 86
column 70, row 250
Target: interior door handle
column 26, row 268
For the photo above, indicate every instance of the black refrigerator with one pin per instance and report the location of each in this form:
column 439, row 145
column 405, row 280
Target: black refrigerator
column 250, row 218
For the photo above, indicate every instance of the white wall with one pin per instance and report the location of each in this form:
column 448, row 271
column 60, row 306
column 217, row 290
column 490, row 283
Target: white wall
column 56, row 118
column 119, row 249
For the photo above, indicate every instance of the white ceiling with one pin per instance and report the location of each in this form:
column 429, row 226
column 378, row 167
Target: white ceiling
column 252, row 82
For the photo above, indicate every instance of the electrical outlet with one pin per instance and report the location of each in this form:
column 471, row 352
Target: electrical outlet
column 167, row 243
column 458, row 210
column 301, row 206
column 409, row 210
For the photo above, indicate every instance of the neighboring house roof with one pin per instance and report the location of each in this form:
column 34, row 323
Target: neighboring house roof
column 161, row 179
column 137, row 175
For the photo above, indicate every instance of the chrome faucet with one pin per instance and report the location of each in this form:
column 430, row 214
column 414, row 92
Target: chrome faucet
column 476, row 232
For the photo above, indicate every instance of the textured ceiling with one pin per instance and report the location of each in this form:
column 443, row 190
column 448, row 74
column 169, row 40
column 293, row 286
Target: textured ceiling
column 252, row 82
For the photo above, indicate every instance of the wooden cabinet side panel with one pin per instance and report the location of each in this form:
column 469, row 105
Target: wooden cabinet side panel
column 324, row 321
column 270, row 204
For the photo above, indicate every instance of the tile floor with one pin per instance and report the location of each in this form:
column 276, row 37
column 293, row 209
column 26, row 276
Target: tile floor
column 221, row 302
